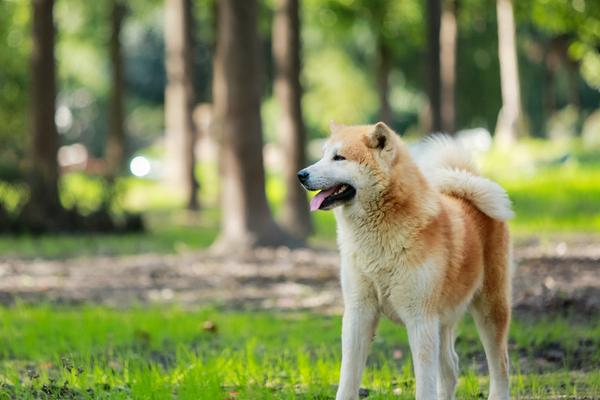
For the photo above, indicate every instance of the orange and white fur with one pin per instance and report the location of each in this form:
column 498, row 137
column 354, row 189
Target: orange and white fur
column 421, row 242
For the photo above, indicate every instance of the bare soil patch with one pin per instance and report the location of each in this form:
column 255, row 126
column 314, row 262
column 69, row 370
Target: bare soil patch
column 552, row 277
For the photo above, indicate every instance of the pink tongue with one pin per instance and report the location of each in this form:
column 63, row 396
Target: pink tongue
column 316, row 201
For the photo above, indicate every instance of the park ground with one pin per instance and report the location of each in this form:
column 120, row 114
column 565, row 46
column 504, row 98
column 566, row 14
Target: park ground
column 155, row 315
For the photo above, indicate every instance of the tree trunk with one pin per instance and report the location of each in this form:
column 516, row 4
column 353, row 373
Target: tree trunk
column 292, row 135
column 115, row 146
column 44, row 204
column 180, row 99
column 549, row 89
column 384, row 68
column 510, row 124
column 573, row 87
column 433, row 63
column 448, row 35
column 246, row 219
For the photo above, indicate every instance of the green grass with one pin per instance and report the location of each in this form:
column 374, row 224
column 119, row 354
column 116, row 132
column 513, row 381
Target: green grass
column 550, row 196
column 158, row 353
column 172, row 239
column 563, row 200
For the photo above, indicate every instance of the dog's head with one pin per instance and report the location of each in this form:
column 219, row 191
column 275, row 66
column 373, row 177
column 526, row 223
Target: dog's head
column 357, row 164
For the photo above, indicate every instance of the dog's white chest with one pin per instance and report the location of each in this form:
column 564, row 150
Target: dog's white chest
column 401, row 291
column 401, row 288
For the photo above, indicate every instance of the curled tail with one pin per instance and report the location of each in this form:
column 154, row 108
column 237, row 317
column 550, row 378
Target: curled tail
column 451, row 170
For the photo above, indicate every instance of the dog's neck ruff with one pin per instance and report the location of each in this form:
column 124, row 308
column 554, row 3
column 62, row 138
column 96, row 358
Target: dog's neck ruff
column 403, row 216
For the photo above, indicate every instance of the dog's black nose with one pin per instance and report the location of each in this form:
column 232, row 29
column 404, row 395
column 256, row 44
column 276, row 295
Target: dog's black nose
column 302, row 176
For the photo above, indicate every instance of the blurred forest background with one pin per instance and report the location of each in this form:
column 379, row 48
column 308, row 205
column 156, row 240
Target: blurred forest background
column 135, row 134
column 117, row 113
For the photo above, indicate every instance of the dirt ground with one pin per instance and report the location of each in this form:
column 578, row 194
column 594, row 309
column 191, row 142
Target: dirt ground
column 562, row 276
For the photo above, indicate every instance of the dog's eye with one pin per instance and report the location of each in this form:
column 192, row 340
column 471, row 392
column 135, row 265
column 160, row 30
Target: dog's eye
column 337, row 157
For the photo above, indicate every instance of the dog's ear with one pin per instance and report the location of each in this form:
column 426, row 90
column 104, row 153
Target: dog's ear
column 333, row 126
column 380, row 137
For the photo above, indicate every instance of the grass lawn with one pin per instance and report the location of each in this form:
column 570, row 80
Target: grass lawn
column 159, row 353
column 170, row 239
column 555, row 187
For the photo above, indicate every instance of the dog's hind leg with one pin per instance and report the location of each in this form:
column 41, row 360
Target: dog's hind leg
column 492, row 317
column 448, row 376
column 491, row 309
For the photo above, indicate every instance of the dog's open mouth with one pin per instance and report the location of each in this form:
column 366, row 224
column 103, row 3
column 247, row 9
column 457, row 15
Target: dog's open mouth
column 328, row 198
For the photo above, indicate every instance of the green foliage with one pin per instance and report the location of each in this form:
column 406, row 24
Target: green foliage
column 83, row 68
column 82, row 45
column 341, row 42
column 14, row 49
column 577, row 20
column 98, row 352
column 331, row 77
column 380, row 18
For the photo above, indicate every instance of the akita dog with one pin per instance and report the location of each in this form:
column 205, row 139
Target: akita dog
column 421, row 241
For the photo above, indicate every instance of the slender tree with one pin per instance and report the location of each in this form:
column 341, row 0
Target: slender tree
column 384, row 69
column 551, row 64
column 44, row 205
column 115, row 146
column 288, row 90
column 180, row 99
column 246, row 219
column 448, row 35
column 510, row 123
column 433, row 63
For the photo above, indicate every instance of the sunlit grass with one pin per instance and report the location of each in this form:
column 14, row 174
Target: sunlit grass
column 555, row 186
column 161, row 353
column 557, row 199
column 163, row 240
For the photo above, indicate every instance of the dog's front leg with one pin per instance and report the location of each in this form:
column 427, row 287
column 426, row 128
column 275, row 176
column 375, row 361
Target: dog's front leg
column 424, row 338
column 358, row 328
